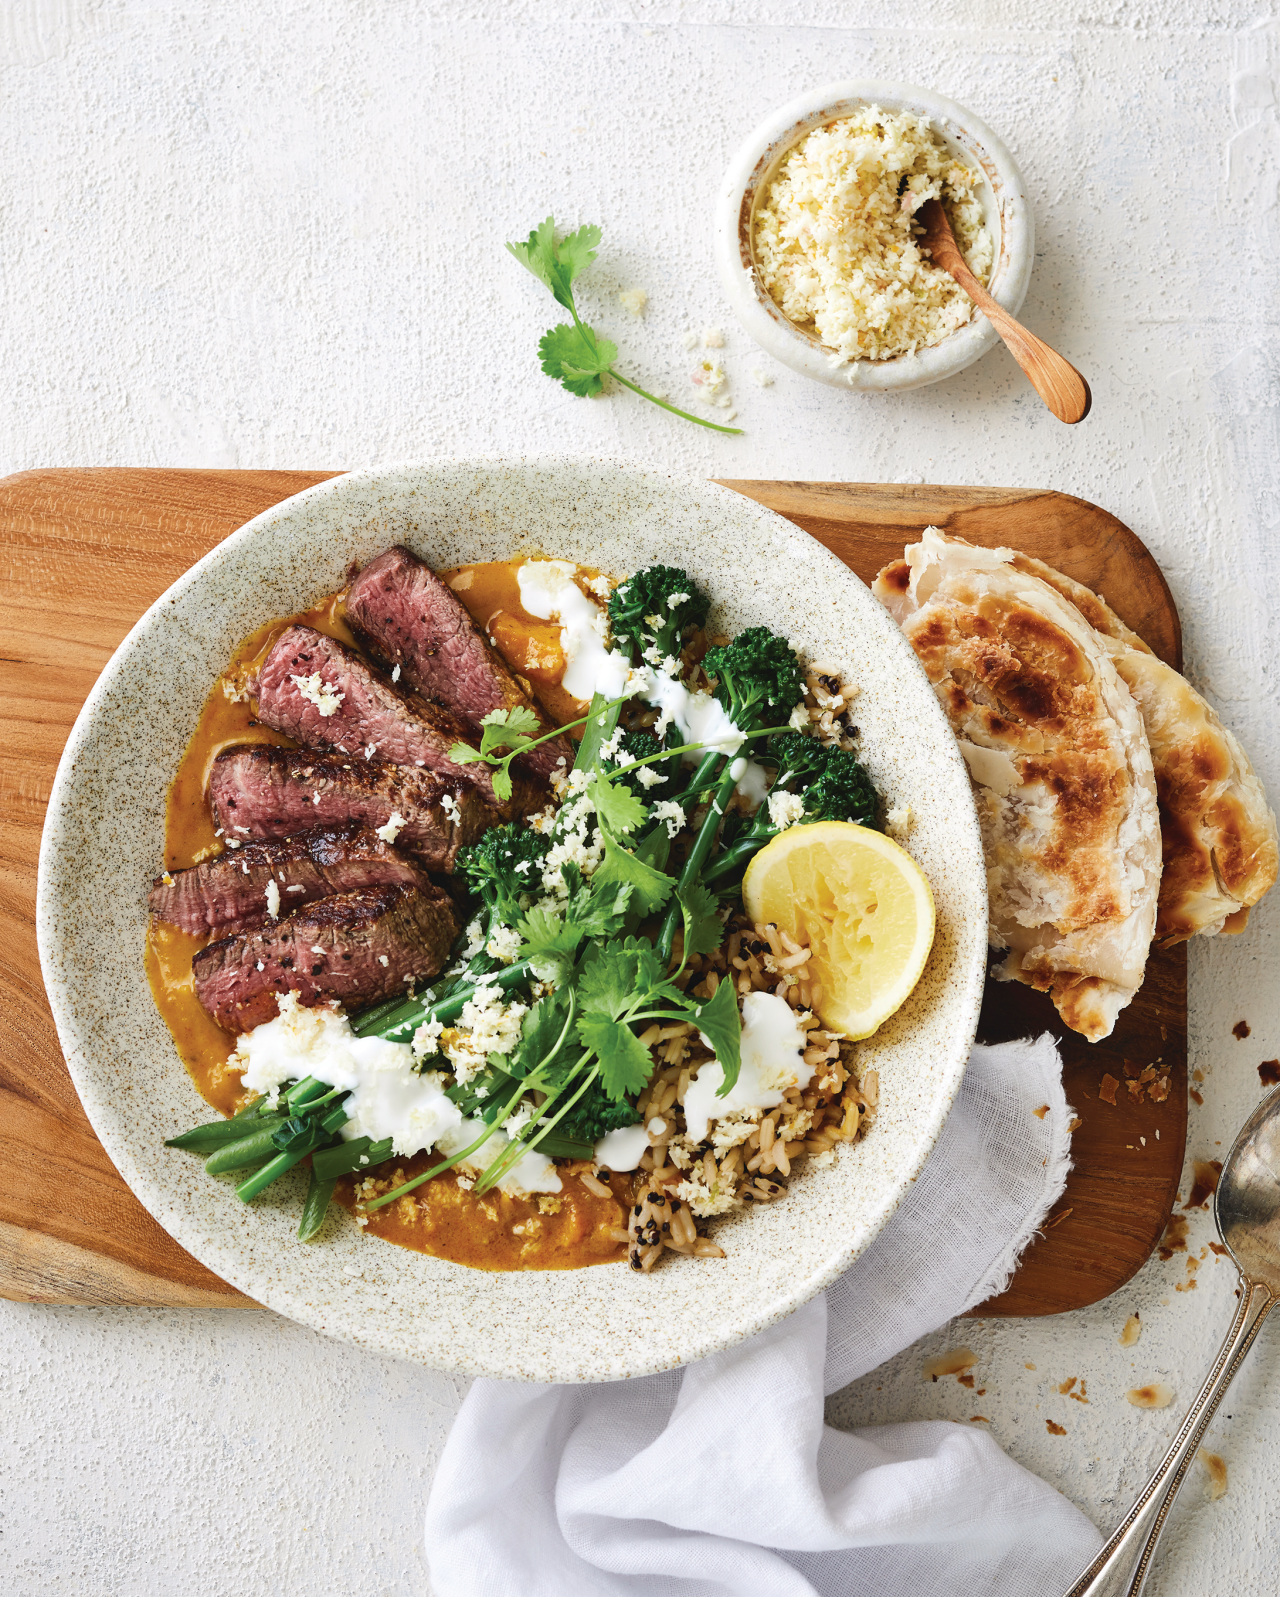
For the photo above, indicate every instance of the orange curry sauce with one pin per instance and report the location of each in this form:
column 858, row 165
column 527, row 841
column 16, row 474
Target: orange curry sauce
column 549, row 1231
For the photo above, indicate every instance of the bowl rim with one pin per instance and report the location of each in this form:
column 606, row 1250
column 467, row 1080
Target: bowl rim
column 755, row 161
column 219, row 1251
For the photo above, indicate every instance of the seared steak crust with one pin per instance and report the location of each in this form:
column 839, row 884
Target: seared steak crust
column 274, row 792
column 357, row 948
column 230, row 892
column 365, row 710
column 404, row 613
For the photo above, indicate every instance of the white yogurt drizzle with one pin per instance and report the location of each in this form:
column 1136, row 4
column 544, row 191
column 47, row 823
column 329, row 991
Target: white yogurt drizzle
column 388, row 1098
column 773, row 1044
column 548, row 591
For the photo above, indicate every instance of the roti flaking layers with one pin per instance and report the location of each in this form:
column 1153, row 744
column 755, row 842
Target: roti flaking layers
column 1061, row 766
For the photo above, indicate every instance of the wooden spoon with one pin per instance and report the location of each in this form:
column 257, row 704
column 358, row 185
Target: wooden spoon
column 1056, row 380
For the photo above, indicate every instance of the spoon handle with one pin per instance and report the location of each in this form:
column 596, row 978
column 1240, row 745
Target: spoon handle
column 1054, row 378
column 1121, row 1568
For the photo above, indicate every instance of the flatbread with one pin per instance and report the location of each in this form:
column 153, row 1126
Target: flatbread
column 1061, row 769
column 1218, row 832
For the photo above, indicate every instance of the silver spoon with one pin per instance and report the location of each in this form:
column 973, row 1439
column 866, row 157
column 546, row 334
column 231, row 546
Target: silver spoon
column 1247, row 1210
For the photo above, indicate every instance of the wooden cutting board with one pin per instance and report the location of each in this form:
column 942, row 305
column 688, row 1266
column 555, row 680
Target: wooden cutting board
column 82, row 555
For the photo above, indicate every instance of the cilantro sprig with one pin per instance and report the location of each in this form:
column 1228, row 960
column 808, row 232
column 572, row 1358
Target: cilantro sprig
column 512, row 731
column 573, row 353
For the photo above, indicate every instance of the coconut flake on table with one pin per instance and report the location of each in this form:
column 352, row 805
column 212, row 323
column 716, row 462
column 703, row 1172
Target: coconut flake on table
column 773, row 1045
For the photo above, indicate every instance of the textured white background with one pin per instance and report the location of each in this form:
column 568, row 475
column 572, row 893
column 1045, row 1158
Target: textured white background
column 236, row 234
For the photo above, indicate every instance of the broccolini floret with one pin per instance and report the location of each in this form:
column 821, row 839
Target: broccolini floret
column 503, row 864
column 758, row 678
column 651, row 611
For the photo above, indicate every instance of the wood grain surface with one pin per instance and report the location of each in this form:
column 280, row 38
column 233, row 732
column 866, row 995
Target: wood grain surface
column 82, row 555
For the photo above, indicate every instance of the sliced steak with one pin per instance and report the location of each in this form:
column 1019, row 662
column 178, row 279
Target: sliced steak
column 232, row 892
column 357, row 948
column 316, row 690
column 402, row 611
column 257, row 790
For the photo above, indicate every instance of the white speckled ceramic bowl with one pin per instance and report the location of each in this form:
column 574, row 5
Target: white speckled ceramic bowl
column 102, row 845
column 1005, row 207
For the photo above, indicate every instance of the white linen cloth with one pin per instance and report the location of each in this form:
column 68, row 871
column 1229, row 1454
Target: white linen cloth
column 721, row 1480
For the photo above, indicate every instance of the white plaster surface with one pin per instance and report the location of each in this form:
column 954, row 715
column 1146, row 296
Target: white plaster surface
column 236, row 234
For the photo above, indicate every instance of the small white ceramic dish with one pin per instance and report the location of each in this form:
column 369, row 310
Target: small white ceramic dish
column 1004, row 202
column 102, row 846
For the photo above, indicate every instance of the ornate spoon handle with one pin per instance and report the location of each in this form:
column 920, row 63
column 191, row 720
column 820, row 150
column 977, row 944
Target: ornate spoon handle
column 1120, row 1569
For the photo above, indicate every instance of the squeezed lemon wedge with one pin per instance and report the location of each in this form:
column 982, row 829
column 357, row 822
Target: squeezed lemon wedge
column 863, row 907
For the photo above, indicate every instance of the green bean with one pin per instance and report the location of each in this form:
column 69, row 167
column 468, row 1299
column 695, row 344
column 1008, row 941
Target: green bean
column 316, row 1206
column 253, row 1149
column 302, row 1092
column 350, row 1156
column 322, row 1128
column 400, row 1024
column 218, row 1133
column 248, row 1190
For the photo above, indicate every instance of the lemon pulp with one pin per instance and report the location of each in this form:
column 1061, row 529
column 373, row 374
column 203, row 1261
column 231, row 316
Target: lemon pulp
column 863, row 907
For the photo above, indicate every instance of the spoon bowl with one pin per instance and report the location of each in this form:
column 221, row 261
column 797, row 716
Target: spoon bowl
column 1247, row 1202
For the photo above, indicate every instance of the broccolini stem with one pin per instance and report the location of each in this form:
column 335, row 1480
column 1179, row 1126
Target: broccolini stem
column 733, row 862
column 698, row 855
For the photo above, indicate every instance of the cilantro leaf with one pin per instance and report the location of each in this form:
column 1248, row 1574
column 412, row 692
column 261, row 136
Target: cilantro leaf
column 577, row 357
column 655, row 848
column 625, row 1063
column 616, row 805
column 606, row 981
column 601, row 911
column 703, row 928
column 464, row 754
column 558, row 265
column 545, row 932
column 539, row 1036
column 720, row 1023
column 550, row 940
column 578, row 250
column 651, row 888
column 509, row 729
column 617, row 977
